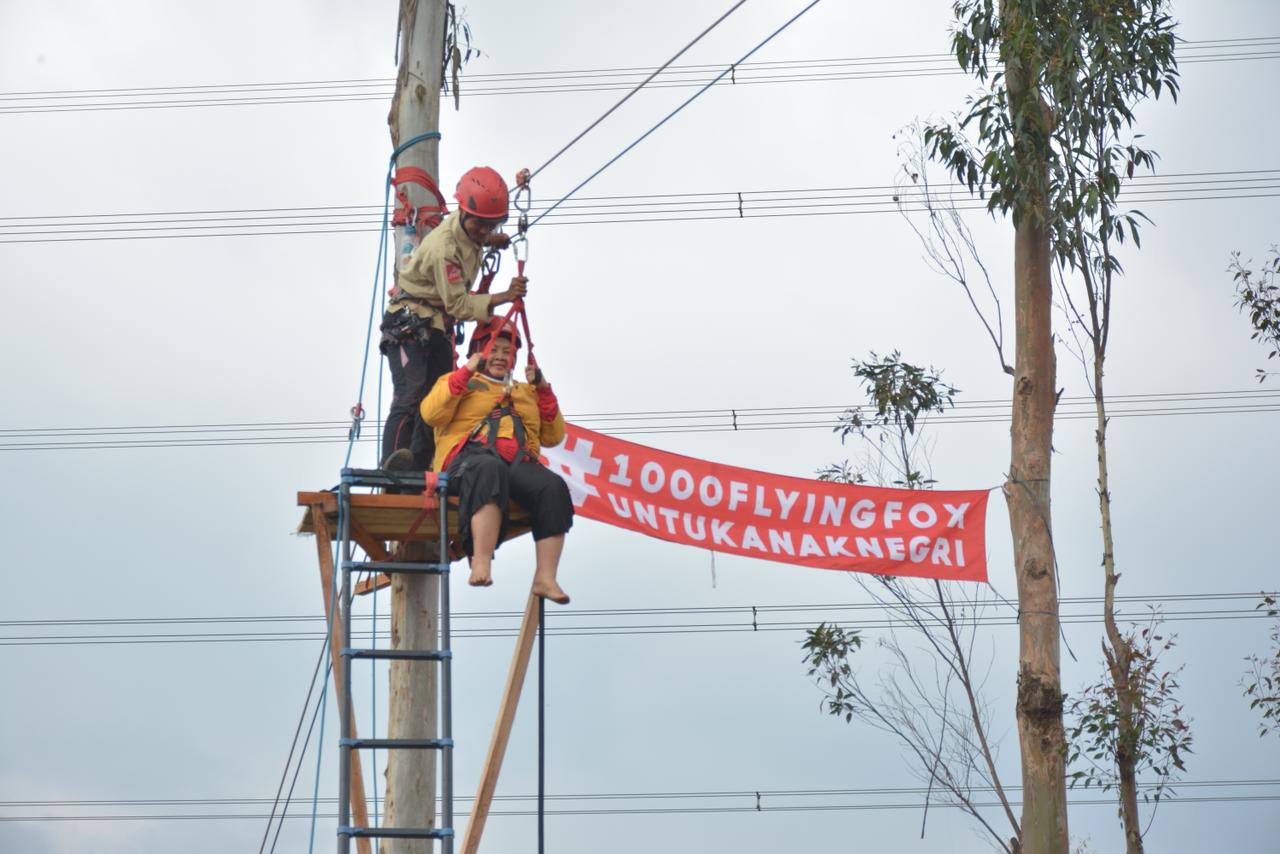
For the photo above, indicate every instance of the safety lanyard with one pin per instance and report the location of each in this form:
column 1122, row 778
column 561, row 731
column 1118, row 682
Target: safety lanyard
column 522, row 201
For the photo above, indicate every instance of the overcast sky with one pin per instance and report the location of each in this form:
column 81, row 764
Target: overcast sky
column 628, row 317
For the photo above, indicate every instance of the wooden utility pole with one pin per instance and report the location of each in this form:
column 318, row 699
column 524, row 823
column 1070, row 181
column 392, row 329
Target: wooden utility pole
column 1040, row 699
column 414, row 703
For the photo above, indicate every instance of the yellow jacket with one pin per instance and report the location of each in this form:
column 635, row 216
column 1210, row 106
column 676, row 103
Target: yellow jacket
column 455, row 416
column 440, row 272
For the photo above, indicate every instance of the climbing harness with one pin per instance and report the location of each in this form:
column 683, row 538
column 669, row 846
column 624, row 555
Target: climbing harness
column 425, row 217
column 485, row 433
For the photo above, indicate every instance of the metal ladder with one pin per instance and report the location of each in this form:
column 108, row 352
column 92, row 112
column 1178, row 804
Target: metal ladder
column 444, row 655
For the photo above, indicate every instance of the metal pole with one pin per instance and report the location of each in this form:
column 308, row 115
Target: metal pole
column 343, row 612
column 446, row 666
column 542, row 724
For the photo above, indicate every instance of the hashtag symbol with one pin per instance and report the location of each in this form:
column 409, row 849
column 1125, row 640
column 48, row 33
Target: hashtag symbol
column 574, row 466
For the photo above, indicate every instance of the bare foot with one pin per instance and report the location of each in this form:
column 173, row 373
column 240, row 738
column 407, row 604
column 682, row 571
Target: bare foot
column 480, row 574
column 551, row 590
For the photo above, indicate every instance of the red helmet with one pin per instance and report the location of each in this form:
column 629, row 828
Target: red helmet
column 484, row 331
column 483, row 193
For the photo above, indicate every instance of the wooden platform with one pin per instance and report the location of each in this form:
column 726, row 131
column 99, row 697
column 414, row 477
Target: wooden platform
column 378, row 522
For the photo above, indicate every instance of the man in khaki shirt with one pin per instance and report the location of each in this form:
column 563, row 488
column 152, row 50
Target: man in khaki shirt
column 432, row 293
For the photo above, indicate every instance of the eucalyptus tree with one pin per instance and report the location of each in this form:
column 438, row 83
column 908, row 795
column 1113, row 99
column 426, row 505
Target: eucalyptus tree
column 1043, row 144
column 1258, row 295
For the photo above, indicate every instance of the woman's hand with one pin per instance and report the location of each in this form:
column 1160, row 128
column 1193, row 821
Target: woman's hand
column 476, row 362
column 534, row 375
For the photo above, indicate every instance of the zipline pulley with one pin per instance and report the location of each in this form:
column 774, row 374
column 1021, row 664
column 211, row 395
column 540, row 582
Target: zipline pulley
column 522, row 201
column 357, row 418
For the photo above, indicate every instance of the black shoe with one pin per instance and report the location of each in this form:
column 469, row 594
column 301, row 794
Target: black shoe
column 401, row 460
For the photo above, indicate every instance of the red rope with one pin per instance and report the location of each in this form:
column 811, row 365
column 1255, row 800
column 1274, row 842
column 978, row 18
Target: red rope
column 517, row 308
column 430, row 503
column 422, row 218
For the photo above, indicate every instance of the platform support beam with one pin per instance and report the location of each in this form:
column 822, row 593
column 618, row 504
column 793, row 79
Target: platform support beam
column 324, row 546
column 502, row 726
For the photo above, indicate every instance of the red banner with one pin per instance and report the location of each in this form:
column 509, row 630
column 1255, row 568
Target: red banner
column 924, row 533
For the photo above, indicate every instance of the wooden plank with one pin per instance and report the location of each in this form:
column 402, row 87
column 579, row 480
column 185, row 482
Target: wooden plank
column 328, row 500
column 369, row 585
column 390, row 517
column 359, row 808
column 502, row 727
column 374, row 547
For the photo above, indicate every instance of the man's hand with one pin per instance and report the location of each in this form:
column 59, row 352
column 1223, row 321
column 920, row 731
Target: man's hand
column 534, row 375
column 476, row 362
column 519, row 287
column 497, row 239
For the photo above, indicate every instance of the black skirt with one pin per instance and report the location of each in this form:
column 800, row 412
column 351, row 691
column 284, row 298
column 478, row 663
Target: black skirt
column 478, row 476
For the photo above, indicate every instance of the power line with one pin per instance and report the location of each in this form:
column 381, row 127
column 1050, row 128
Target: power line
column 1192, row 45
column 1250, row 175
column 750, row 808
column 613, row 612
column 628, row 622
column 659, row 422
column 641, row 208
column 669, row 116
column 558, row 82
column 1236, row 615
column 638, row 87
column 606, row 796
column 585, row 417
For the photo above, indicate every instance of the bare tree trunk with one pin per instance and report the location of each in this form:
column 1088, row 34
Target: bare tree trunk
column 414, row 701
column 1040, row 699
column 1119, row 655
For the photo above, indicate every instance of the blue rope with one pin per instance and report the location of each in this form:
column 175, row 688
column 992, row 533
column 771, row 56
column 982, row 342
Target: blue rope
column 380, row 269
column 315, row 793
column 422, row 137
column 379, row 282
column 379, row 274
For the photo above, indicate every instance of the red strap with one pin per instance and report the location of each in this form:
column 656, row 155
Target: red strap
column 429, row 502
column 425, row 217
column 431, row 482
column 517, row 308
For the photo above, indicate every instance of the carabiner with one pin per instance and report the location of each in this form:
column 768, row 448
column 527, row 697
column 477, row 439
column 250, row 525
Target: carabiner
column 520, row 249
column 490, row 263
column 523, row 200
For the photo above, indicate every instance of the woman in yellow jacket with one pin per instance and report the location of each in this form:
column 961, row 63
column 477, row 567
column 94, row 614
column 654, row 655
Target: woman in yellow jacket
column 488, row 432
